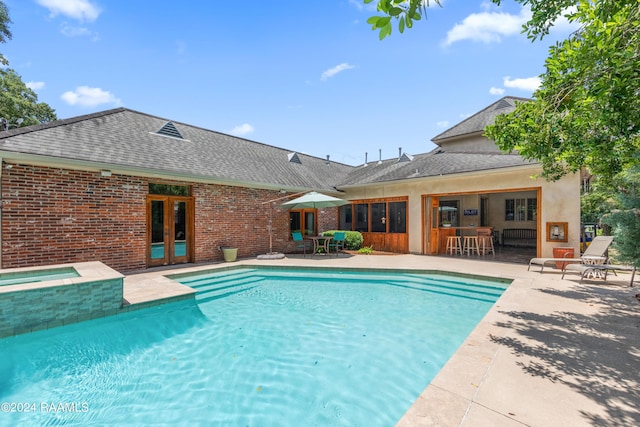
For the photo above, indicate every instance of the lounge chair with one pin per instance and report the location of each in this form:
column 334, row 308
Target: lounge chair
column 599, row 270
column 596, row 253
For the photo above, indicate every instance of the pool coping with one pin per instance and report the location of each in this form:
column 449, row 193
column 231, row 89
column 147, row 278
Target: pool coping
column 512, row 370
column 87, row 272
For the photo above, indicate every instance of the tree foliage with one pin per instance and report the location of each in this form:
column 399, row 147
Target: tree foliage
column 625, row 221
column 405, row 12
column 5, row 33
column 586, row 112
column 19, row 105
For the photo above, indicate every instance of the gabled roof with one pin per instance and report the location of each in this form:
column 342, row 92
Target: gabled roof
column 129, row 140
column 477, row 122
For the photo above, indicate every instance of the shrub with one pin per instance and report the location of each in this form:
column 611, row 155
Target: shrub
column 367, row 250
column 352, row 239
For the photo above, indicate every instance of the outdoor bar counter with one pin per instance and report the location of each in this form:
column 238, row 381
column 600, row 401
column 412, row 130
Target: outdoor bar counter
column 445, row 232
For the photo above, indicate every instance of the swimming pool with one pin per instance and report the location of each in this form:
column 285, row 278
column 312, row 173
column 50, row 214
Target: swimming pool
column 260, row 347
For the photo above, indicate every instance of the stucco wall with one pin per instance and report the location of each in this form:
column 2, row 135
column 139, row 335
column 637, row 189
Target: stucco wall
column 473, row 144
column 560, row 201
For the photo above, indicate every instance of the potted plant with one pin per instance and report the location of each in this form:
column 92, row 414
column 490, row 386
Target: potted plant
column 229, row 253
column 446, row 223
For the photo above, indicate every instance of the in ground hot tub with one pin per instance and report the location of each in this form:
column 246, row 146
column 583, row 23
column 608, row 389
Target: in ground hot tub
column 34, row 298
column 34, row 276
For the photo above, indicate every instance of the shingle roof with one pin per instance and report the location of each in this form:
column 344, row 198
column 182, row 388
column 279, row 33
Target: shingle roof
column 129, row 139
column 477, row 122
column 435, row 163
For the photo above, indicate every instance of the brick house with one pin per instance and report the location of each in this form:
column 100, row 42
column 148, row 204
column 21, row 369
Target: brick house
column 135, row 191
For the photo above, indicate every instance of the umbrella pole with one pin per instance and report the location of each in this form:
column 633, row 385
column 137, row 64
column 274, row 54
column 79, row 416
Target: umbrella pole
column 269, row 226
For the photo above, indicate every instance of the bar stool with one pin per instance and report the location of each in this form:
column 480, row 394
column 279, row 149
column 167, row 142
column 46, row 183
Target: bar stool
column 471, row 245
column 485, row 241
column 454, row 245
column 485, row 245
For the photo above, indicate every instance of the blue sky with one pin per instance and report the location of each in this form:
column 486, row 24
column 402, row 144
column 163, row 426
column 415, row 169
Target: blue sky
column 308, row 76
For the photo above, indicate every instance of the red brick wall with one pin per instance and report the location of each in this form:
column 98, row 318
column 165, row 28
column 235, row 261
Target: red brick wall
column 55, row 216
column 238, row 217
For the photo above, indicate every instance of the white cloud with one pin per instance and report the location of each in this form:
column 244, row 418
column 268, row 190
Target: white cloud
column 82, row 10
column 529, row 83
column 86, row 96
column 496, row 91
column 71, row 31
column 443, row 124
column 243, row 129
column 35, row 85
column 487, row 27
column 335, row 70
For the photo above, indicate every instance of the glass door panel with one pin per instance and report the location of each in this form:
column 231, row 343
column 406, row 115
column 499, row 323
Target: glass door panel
column 295, row 222
column 431, row 226
column 378, row 217
column 310, row 223
column 158, row 247
column 179, row 231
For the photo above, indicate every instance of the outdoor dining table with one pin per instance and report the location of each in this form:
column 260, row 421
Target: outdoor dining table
column 320, row 242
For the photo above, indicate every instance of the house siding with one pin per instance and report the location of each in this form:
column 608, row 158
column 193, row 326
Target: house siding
column 58, row 216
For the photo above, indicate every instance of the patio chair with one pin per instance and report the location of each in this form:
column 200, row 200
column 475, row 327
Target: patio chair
column 599, row 271
column 337, row 243
column 300, row 242
column 596, row 253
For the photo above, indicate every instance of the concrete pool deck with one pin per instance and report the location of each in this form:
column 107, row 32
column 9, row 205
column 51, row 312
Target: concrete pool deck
column 550, row 352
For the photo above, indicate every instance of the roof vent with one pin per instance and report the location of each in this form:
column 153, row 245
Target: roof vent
column 169, row 129
column 293, row 158
column 503, row 103
column 405, row 158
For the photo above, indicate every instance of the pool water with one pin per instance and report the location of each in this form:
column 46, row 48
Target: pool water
column 32, row 276
column 258, row 348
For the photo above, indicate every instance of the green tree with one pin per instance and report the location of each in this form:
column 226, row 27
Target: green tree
column 626, row 220
column 19, row 105
column 5, row 33
column 586, row 112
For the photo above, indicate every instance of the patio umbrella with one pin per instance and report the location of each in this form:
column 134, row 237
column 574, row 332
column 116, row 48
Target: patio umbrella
column 314, row 200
